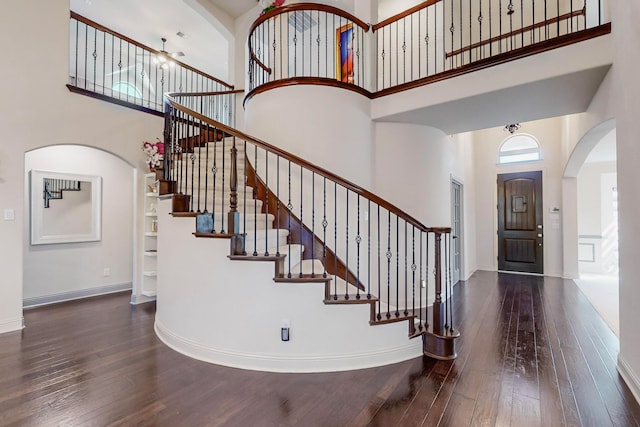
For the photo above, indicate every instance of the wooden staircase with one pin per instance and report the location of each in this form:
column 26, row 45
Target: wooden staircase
column 266, row 230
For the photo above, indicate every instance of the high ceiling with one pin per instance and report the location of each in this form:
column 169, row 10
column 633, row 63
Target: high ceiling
column 234, row 8
column 147, row 21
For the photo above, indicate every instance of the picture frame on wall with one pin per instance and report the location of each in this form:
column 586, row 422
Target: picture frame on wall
column 344, row 53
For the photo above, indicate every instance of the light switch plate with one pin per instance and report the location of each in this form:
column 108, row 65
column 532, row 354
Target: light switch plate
column 9, row 214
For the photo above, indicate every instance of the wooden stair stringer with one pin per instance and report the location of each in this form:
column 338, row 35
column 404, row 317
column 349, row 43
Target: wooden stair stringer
column 308, row 238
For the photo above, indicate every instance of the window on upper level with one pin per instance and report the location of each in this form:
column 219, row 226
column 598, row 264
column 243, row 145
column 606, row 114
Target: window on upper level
column 519, row 148
column 126, row 88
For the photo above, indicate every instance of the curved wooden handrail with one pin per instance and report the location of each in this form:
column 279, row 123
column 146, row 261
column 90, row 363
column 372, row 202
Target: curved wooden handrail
column 307, row 6
column 318, row 81
column 309, row 166
column 260, row 64
column 297, row 7
column 404, row 14
column 196, row 94
column 94, row 24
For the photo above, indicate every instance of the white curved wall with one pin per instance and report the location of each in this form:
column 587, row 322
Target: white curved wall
column 233, row 317
column 330, row 127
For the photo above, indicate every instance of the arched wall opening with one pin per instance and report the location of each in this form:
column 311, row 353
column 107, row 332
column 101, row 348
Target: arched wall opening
column 570, row 194
column 65, row 271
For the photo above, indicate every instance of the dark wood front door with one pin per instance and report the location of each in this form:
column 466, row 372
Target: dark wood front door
column 520, row 238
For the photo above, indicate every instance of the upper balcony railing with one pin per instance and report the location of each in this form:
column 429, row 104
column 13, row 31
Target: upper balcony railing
column 113, row 67
column 434, row 39
column 308, row 41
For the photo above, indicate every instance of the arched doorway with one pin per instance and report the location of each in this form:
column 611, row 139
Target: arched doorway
column 591, row 225
column 64, row 271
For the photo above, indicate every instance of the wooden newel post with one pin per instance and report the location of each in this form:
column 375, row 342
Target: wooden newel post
column 439, row 342
column 234, row 216
column 438, row 316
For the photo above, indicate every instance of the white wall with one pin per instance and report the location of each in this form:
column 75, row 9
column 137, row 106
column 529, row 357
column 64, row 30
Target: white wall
column 59, row 269
column 327, row 126
column 627, row 63
column 38, row 111
column 195, row 310
column 597, row 226
column 487, row 143
column 422, row 186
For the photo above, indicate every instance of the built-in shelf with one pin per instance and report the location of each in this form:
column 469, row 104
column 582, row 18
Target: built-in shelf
column 149, row 265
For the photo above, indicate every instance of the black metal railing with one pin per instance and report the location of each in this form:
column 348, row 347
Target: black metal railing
column 113, row 66
column 442, row 35
column 277, row 204
column 308, row 40
column 304, row 43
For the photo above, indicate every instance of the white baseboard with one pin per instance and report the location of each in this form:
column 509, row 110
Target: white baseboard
column 288, row 362
column 73, row 295
column 140, row 299
column 629, row 377
column 11, row 325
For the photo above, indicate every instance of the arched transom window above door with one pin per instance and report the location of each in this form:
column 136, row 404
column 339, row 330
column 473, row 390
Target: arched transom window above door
column 520, row 147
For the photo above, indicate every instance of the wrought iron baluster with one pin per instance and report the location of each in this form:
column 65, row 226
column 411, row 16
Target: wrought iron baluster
column 277, row 219
column 324, row 226
column 358, row 240
column 335, row 239
column 255, row 204
column 379, row 304
column 266, row 211
column 244, row 199
column 222, row 191
column 422, row 317
column 75, row 83
column 313, row 222
column 426, row 277
column 389, row 255
column 95, row 56
column 214, row 171
column 406, row 272
column 522, row 22
column 368, row 248
column 446, row 286
column 346, row 227
column 301, row 223
column 289, row 209
column 397, row 312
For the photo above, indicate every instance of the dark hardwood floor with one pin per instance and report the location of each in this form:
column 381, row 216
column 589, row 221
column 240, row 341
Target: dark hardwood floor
column 533, row 352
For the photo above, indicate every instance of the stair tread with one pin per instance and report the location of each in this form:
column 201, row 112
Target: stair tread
column 255, row 258
column 393, row 318
column 306, row 278
column 342, row 299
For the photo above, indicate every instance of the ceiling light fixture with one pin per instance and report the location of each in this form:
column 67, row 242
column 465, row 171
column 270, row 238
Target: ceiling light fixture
column 163, row 55
column 512, row 127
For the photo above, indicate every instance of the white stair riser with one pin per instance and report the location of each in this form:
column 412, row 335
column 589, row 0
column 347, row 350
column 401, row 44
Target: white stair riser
column 265, row 241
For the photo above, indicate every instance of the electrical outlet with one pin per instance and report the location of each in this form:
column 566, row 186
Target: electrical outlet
column 106, row 272
column 285, row 327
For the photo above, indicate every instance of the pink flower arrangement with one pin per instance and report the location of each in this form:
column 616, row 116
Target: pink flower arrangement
column 154, row 152
column 273, row 5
